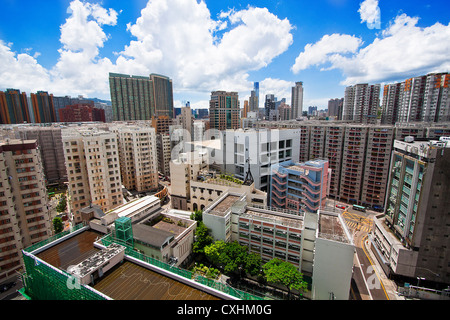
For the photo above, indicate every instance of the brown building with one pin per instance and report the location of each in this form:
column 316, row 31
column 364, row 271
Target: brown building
column 81, row 113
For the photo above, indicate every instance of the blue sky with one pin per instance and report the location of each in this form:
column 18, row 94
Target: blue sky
column 68, row 47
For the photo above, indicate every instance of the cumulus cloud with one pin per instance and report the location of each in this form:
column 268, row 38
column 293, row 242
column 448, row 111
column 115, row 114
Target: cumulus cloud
column 178, row 38
column 322, row 51
column 402, row 50
column 20, row 71
column 370, row 13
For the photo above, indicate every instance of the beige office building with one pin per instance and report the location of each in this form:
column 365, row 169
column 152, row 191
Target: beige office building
column 24, row 215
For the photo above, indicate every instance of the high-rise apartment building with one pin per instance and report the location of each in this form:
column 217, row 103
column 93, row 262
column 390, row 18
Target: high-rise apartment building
column 358, row 154
column 162, row 95
column 49, row 140
column 224, row 110
column 436, row 98
column 186, row 119
column 140, row 98
column 14, row 107
column 24, row 214
column 335, row 107
column 93, row 169
column 43, row 108
column 245, row 110
column 137, row 157
column 297, row 100
column 269, row 105
column 412, row 239
column 131, row 97
column 419, row 99
column 361, row 103
column 391, row 102
column 164, row 153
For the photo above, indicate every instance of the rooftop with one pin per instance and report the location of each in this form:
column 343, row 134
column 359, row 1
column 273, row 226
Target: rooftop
column 332, row 227
column 125, row 281
column 224, row 205
column 275, row 218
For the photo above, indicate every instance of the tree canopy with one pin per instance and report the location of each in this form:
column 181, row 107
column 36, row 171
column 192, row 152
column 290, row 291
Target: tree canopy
column 58, row 225
column 284, row 273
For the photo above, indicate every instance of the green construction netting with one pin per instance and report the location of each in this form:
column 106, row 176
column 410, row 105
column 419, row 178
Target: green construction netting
column 44, row 282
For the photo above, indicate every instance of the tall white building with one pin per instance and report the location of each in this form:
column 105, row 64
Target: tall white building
column 297, row 100
column 93, row 169
column 256, row 150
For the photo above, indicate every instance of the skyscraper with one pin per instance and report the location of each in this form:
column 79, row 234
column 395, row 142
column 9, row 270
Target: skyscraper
column 140, row 98
column 224, row 110
column 335, row 108
column 43, row 108
column 391, row 103
column 422, row 98
column 297, row 100
column 162, row 95
column 254, row 98
column 14, row 107
column 269, row 105
column 361, row 103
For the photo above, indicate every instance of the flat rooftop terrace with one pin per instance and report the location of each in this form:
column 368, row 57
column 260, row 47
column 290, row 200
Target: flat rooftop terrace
column 223, row 206
column 126, row 281
column 331, row 227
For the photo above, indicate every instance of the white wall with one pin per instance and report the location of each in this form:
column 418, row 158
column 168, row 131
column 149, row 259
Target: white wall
column 333, row 268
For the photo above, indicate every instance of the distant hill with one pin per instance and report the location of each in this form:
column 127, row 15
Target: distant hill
column 100, row 100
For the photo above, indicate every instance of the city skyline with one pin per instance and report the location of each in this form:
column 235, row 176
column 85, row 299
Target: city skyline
column 206, row 46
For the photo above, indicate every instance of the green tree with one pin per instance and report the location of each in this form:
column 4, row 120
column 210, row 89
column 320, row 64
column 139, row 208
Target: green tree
column 58, row 225
column 197, row 215
column 233, row 258
column 214, row 251
column 203, row 238
column 284, row 273
column 62, row 204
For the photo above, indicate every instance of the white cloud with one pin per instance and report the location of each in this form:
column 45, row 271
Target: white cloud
column 321, row 51
column 370, row 13
column 21, row 71
column 178, row 38
column 402, row 50
column 278, row 87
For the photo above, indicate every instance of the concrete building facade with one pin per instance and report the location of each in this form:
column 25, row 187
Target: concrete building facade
column 93, row 170
column 24, row 213
column 412, row 238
